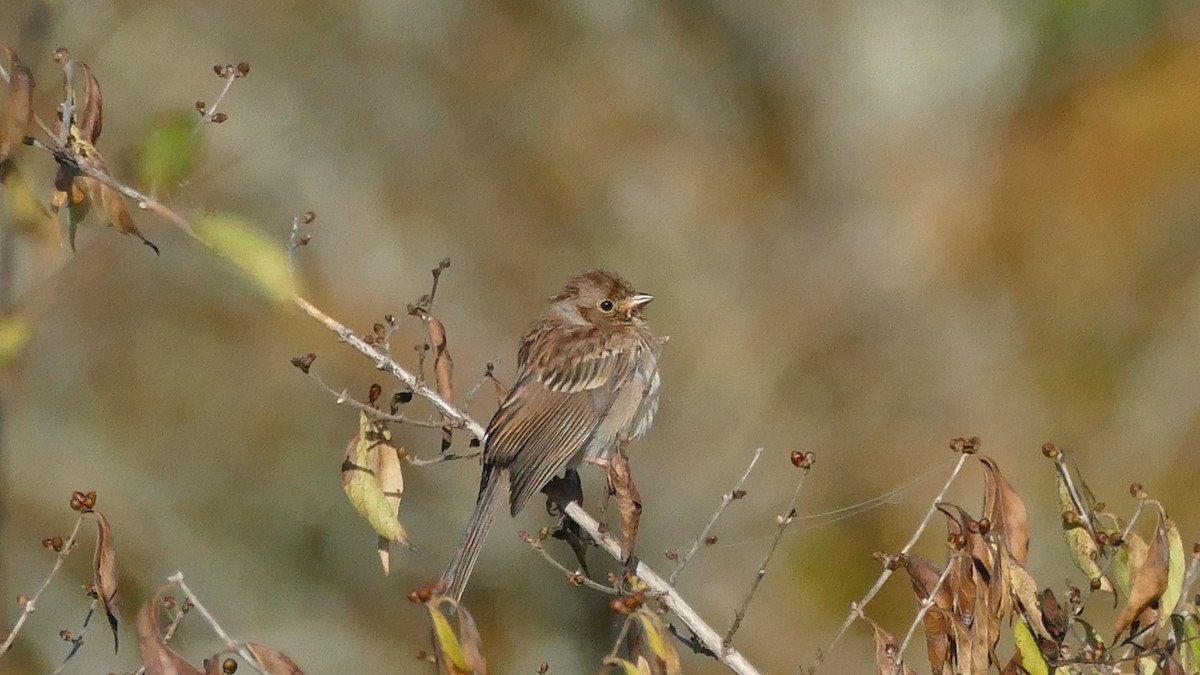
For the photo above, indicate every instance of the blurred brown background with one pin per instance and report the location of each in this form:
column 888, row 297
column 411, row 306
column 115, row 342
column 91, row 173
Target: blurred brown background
column 870, row 227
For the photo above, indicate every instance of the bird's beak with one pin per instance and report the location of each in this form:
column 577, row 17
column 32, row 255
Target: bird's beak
column 638, row 301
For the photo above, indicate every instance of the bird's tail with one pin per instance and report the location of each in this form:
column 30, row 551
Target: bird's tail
column 492, row 495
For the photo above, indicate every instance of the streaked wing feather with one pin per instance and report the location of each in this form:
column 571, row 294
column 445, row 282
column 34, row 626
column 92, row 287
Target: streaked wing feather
column 559, row 436
column 548, row 417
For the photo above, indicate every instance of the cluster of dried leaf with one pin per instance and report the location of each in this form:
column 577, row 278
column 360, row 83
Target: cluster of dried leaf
column 79, row 184
column 984, row 583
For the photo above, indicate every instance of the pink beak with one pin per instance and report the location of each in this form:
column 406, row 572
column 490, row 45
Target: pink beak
column 638, row 301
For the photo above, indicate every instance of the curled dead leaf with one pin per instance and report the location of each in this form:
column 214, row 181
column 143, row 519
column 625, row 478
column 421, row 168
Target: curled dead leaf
column 938, row 621
column 1006, row 510
column 659, row 645
column 443, row 370
column 1148, row 581
column 274, row 661
column 112, row 205
column 887, row 656
column 157, row 657
column 629, row 501
column 104, row 572
column 91, row 118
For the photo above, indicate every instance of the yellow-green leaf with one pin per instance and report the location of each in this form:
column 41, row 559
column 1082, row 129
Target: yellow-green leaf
column 449, row 651
column 1080, row 542
column 256, row 254
column 1177, row 562
column 166, row 154
column 361, row 484
column 1187, row 635
column 1031, row 655
column 659, row 642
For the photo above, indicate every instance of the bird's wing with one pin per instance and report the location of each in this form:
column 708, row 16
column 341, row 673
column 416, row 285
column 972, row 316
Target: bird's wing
column 548, row 417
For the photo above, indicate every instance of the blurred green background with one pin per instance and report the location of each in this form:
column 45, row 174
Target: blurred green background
column 870, row 227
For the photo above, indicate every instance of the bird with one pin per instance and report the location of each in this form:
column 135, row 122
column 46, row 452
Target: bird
column 587, row 379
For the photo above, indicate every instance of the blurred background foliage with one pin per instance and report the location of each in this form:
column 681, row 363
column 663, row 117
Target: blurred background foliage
column 870, row 227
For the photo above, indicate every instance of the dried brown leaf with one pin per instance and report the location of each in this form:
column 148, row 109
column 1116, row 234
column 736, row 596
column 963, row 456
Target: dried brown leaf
column 1148, row 581
column 1053, row 615
column 1005, row 509
column 887, row 656
column 443, row 370
column 157, row 657
column 18, row 106
column 629, row 501
column 275, row 662
column 1025, row 591
column 938, row 621
column 112, row 204
column 1129, row 558
column 91, row 119
column 104, row 572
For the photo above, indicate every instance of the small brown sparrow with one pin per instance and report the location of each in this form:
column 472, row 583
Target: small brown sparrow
column 587, row 378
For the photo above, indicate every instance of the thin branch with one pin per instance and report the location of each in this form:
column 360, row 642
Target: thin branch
column 726, row 500
column 230, row 77
column 230, row 644
column 616, row 649
column 574, row 576
column 1085, row 513
column 31, row 603
column 77, row 640
column 789, row 515
column 344, row 398
column 856, row 608
column 657, row 585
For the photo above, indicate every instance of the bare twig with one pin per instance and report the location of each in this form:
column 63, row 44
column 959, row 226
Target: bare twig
column 31, row 603
column 344, row 398
column 657, row 585
column 232, row 645
column 856, row 608
column 574, row 576
column 1081, row 507
column 789, row 515
column 613, row 658
column 76, row 640
column 726, row 499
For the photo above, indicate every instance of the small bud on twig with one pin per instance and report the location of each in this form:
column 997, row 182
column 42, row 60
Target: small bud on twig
column 304, row 363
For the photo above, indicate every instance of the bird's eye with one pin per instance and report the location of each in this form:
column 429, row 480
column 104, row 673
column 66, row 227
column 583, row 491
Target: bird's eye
column 606, row 306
